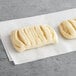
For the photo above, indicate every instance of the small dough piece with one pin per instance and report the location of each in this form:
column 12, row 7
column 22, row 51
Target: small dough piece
column 68, row 29
column 33, row 37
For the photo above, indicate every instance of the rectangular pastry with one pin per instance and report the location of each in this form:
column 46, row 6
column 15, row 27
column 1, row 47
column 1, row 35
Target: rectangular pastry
column 33, row 37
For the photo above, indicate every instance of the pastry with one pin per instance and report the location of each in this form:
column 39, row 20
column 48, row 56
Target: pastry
column 33, row 37
column 68, row 29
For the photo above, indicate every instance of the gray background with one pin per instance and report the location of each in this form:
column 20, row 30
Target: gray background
column 63, row 65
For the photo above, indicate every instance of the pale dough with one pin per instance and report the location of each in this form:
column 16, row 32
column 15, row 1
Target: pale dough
column 33, row 37
column 68, row 29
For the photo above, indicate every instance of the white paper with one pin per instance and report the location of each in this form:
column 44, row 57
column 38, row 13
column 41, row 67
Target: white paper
column 53, row 19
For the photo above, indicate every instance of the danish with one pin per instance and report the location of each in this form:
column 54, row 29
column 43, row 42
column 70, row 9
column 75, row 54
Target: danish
column 68, row 29
column 33, row 37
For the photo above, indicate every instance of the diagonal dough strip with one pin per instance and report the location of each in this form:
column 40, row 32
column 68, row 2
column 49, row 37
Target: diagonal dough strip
column 54, row 35
column 24, row 38
column 73, row 23
column 29, row 34
column 40, row 34
column 47, row 33
column 37, row 39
